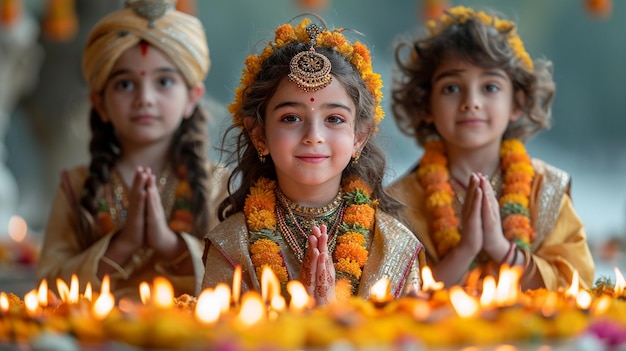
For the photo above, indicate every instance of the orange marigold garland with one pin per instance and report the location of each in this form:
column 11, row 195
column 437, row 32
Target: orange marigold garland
column 259, row 209
column 353, row 234
column 353, row 237
column 518, row 174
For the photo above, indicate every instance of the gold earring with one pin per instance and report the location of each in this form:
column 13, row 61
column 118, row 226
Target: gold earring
column 261, row 155
column 355, row 157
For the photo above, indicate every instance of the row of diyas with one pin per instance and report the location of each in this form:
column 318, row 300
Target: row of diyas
column 220, row 318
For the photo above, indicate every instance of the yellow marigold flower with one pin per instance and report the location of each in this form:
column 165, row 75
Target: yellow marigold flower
column 517, row 188
column 266, row 257
column 510, row 159
column 349, row 267
column 353, row 252
column 362, row 50
column 264, row 245
column 362, row 215
column 514, row 198
column 351, row 237
column 448, row 240
column 354, row 183
column 261, row 219
column 524, row 168
column 285, row 33
column 438, row 200
column 258, row 203
column 183, row 189
column 434, row 171
column 433, row 158
column 510, row 177
column 511, row 146
column 444, row 223
column 516, row 221
column 439, row 187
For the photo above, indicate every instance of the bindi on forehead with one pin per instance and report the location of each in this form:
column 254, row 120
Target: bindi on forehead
column 312, row 99
column 143, row 48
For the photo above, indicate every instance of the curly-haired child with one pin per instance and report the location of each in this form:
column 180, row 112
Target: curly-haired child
column 471, row 96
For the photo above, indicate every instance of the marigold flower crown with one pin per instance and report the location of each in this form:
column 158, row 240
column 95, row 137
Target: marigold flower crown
column 356, row 53
column 461, row 14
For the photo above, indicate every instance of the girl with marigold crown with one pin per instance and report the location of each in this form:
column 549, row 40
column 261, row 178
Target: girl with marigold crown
column 132, row 213
column 471, row 95
column 309, row 202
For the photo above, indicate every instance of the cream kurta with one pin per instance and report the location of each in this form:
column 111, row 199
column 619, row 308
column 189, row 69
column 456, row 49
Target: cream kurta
column 560, row 246
column 395, row 253
column 62, row 256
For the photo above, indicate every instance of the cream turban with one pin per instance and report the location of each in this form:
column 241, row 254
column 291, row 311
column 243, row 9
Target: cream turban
column 179, row 35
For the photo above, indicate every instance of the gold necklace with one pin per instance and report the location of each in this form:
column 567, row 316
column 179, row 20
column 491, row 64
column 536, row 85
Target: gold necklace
column 117, row 200
column 287, row 210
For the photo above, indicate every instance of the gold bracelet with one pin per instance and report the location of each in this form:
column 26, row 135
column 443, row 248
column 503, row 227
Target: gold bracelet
column 116, row 266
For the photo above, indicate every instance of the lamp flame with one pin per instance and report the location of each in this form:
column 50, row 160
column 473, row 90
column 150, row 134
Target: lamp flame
column 221, row 296
column 42, row 293
column 380, row 290
column 163, row 293
column 31, row 302
column 428, row 281
column 105, row 302
column 583, row 299
column 88, row 292
column 270, row 286
column 252, row 309
column 300, row 299
column 207, row 310
column 508, row 289
column 620, row 283
column 464, row 304
column 4, row 302
column 144, row 292
column 488, row 295
column 74, row 294
column 574, row 288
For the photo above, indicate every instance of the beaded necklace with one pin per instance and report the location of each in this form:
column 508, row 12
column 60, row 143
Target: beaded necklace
column 518, row 174
column 290, row 215
column 354, row 211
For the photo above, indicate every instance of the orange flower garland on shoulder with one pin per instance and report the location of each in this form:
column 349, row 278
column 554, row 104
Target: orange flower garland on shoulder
column 353, row 235
column 518, row 175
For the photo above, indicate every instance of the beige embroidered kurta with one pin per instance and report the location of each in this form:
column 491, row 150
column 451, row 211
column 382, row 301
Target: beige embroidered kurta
column 62, row 255
column 560, row 246
column 395, row 253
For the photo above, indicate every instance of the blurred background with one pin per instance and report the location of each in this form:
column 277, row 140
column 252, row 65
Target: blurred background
column 44, row 101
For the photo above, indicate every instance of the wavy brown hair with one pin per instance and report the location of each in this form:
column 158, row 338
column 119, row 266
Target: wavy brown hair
column 482, row 45
column 371, row 166
column 189, row 148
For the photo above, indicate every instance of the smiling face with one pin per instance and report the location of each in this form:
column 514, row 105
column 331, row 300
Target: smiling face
column 145, row 97
column 310, row 136
column 471, row 106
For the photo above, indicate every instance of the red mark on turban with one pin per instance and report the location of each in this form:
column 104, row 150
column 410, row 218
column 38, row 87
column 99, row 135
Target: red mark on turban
column 143, row 46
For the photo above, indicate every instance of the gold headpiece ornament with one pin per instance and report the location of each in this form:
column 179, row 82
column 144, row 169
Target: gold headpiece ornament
column 310, row 70
column 179, row 36
column 461, row 14
column 357, row 54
